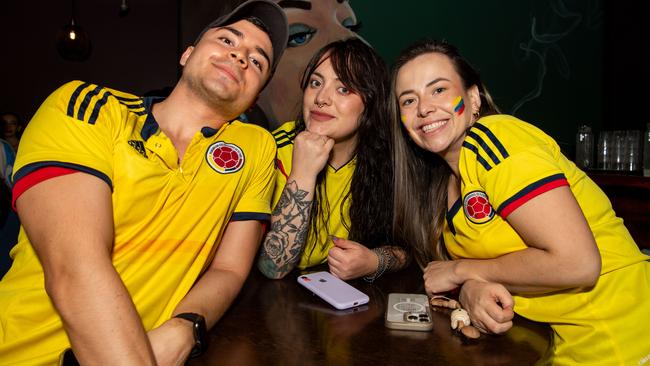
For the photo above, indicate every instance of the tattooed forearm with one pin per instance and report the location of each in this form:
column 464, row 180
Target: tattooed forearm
column 400, row 256
column 286, row 238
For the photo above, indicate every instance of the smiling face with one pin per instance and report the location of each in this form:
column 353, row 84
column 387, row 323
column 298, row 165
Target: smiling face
column 329, row 107
column 229, row 65
column 312, row 25
column 435, row 108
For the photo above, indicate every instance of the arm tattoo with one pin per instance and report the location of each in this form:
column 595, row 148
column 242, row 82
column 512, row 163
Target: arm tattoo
column 289, row 228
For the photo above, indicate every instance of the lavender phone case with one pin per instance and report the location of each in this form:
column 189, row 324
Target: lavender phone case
column 335, row 291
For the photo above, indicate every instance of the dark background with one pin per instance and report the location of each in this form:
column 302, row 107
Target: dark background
column 580, row 65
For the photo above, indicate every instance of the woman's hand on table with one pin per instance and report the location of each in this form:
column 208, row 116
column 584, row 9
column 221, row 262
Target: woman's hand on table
column 348, row 259
column 490, row 305
column 439, row 277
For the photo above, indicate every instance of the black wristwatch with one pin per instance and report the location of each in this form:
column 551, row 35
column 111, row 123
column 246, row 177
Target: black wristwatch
column 198, row 325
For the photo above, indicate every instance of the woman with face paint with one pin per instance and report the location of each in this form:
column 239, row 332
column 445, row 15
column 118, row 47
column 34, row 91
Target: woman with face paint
column 528, row 231
column 332, row 197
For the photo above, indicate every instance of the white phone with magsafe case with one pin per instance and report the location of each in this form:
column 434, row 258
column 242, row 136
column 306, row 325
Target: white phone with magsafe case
column 408, row 312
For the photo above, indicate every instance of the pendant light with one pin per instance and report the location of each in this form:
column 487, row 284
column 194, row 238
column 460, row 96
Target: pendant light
column 124, row 9
column 73, row 42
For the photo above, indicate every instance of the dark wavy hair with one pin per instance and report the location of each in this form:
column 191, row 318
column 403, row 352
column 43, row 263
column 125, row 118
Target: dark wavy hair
column 361, row 70
column 421, row 177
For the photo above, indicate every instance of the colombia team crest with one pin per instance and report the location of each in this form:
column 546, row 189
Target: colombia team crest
column 477, row 207
column 225, row 158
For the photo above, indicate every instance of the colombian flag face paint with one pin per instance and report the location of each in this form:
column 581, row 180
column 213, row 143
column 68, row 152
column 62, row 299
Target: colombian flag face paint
column 403, row 119
column 459, row 105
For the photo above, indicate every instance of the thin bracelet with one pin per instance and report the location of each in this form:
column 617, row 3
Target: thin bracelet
column 385, row 261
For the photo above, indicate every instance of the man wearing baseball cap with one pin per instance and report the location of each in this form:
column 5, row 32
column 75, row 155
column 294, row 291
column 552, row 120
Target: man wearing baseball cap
column 142, row 216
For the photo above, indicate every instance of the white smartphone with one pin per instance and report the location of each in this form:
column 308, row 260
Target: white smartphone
column 408, row 312
column 335, row 291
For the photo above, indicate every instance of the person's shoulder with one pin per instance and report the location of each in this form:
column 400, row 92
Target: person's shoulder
column 507, row 131
column 80, row 88
column 80, row 99
column 5, row 148
column 246, row 128
column 253, row 136
column 285, row 134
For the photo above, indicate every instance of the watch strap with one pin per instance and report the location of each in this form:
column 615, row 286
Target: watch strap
column 199, row 331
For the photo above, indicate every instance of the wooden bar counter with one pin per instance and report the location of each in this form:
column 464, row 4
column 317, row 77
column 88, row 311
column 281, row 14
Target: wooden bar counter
column 278, row 322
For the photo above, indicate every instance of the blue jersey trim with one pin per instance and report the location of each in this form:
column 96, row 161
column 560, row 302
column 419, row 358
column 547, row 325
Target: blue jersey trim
column 479, row 158
column 84, row 104
column 100, row 103
column 30, row 168
column 485, row 147
column 150, row 125
column 208, row 131
column 284, row 138
column 74, row 96
column 246, row 216
column 531, row 187
column 283, row 144
column 452, row 212
column 494, row 139
column 126, row 100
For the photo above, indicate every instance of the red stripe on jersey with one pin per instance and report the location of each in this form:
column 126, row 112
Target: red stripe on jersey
column 280, row 166
column 532, row 194
column 36, row 177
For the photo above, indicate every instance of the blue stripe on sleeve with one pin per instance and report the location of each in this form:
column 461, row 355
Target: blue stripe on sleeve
column 73, row 98
column 30, row 168
column 245, row 216
column 479, row 158
column 82, row 108
column 485, row 147
column 494, row 139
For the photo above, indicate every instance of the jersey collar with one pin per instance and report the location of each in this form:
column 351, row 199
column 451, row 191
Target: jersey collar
column 150, row 126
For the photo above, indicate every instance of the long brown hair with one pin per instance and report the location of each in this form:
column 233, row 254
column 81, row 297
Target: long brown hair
column 361, row 69
column 422, row 177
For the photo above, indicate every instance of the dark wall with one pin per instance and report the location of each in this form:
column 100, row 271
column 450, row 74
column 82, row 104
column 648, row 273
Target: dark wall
column 542, row 60
column 577, row 66
column 627, row 66
column 135, row 53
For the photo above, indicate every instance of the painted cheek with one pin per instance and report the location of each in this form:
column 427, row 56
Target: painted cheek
column 459, row 104
column 403, row 118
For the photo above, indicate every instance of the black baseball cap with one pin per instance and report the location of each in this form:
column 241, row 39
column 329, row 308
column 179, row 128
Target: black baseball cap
column 269, row 13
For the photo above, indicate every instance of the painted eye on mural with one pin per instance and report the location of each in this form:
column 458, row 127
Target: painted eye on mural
column 351, row 24
column 300, row 34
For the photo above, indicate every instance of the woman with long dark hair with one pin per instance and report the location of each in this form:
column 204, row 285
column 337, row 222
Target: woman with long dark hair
column 334, row 171
column 527, row 230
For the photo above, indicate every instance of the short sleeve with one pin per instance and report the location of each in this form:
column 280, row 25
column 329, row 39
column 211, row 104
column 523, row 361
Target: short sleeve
column 255, row 203
column 72, row 129
column 521, row 177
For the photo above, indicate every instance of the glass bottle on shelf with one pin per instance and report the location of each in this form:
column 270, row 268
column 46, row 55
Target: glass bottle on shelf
column 585, row 148
column 646, row 151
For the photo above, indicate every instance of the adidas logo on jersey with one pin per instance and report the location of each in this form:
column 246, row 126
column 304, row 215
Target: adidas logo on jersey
column 138, row 146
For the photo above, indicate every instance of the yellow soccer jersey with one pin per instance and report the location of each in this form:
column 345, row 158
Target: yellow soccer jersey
column 337, row 184
column 504, row 163
column 169, row 218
